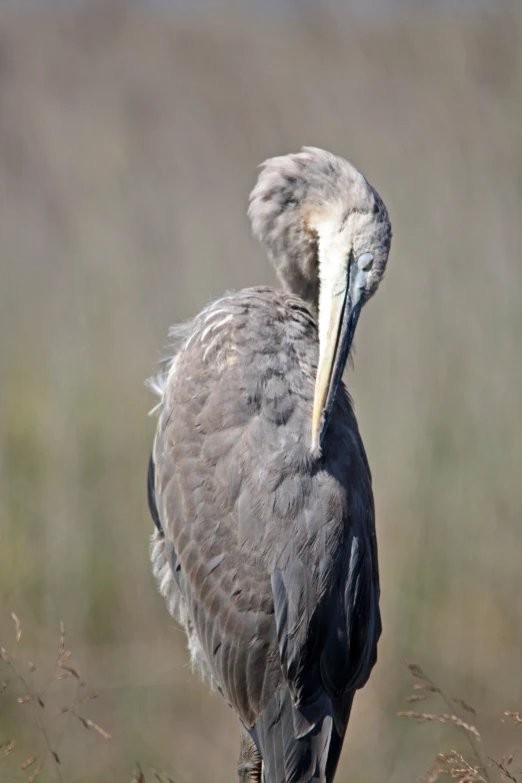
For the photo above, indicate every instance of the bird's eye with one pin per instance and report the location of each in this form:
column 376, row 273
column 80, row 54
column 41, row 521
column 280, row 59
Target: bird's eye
column 365, row 262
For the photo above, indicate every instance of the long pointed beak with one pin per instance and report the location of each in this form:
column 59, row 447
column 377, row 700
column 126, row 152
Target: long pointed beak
column 345, row 309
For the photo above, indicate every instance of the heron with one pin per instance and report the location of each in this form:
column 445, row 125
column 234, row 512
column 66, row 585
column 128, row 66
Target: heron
column 258, row 483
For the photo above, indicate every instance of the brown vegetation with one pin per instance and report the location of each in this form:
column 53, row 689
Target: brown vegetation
column 21, row 688
column 473, row 765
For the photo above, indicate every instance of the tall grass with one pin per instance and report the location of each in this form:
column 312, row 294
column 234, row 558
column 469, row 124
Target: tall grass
column 128, row 145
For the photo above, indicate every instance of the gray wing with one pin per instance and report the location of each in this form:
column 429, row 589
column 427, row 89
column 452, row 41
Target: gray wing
column 274, row 555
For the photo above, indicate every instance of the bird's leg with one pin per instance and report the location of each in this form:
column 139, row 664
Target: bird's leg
column 249, row 761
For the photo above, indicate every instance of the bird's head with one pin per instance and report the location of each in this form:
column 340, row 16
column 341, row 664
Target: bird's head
column 328, row 236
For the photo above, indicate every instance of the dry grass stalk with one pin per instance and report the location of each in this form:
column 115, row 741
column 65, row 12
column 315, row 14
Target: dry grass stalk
column 501, row 765
column 35, row 774
column 454, row 765
column 425, row 717
column 29, row 762
column 465, row 706
column 513, row 716
column 476, row 769
column 32, row 697
column 138, row 776
column 17, row 626
column 87, row 723
column 7, row 747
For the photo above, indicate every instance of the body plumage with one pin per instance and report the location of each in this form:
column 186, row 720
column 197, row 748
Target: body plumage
column 265, row 544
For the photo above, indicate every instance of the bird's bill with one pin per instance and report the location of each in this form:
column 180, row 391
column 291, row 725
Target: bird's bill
column 344, row 311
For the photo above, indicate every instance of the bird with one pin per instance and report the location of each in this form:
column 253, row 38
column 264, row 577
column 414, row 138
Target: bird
column 259, row 487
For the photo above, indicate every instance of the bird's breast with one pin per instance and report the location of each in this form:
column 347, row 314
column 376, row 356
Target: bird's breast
column 236, row 422
column 250, row 353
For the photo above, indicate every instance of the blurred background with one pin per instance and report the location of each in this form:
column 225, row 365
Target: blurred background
column 129, row 140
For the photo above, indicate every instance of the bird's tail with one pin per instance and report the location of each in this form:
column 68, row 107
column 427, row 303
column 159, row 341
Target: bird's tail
column 301, row 744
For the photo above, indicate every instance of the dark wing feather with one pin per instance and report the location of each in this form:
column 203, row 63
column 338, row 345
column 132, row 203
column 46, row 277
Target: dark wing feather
column 274, row 554
column 350, row 646
column 151, row 495
column 287, row 758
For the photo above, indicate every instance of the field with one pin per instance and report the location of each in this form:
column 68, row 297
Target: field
column 129, row 140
